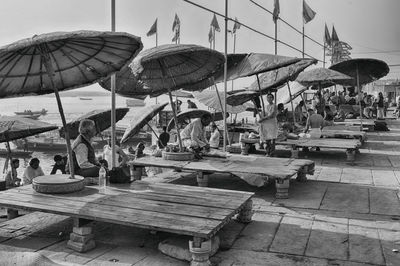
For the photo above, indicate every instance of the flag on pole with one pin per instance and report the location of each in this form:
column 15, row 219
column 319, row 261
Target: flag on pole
column 214, row 24
column 176, row 24
column 210, row 35
column 327, row 36
column 277, row 10
column 176, row 37
column 308, row 13
column 153, row 29
column 335, row 37
column 236, row 26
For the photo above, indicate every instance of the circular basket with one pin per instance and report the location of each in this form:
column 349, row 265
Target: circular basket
column 58, row 184
column 177, row 156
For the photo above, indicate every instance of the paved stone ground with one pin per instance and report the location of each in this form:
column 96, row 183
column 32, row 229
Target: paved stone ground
column 343, row 215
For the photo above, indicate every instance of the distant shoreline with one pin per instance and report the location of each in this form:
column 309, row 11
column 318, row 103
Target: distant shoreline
column 74, row 93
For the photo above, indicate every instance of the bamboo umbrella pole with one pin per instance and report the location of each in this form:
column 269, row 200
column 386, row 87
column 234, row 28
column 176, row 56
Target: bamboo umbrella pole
column 113, row 85
column 359, row 100
column 155, row 133
column 225, row 73
column 50, row 72
column 259, row 89
column 291, row 103
column 222, row 108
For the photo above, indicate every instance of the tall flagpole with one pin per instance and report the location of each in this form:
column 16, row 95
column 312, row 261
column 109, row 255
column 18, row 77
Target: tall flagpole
column 276, row 37
column 113, row 119
column 324, row 54
column 213, row 38
column 303, row 40
column 225, row 73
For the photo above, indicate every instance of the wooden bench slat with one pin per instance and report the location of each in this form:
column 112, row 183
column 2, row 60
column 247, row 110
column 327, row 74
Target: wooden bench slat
column 201, row 228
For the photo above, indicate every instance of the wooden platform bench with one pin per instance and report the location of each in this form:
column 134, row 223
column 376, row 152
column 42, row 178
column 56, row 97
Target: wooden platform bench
column 333, row 132
column 367, row 124
column 185, row 210
column 281, row 170
column 350, row 145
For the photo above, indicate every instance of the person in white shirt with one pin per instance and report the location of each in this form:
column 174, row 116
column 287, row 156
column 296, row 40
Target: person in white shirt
column 120, row 157
column 193, row 135
column 215, row 137
column 33, row 170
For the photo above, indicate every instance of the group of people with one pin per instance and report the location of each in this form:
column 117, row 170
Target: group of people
column 83, row 158
column 371, row 106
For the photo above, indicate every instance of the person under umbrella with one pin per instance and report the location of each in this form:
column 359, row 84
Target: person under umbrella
column 269, row 126
column 59, row 164
column 33, row 170
column 215, row 137
column 120, row 155
column 193, row 135
column 191, row 105
column 12, row 179
column 83, row 155
column 163, row 138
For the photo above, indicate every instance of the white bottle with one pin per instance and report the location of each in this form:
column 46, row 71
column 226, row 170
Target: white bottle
column 102, row 178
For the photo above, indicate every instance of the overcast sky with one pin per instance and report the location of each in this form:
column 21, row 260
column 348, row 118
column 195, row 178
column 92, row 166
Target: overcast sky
column 371, row 27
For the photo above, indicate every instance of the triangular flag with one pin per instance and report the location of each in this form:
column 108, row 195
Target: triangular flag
column 335, row 37
column 153, row 29
column 236, row 26
column 176, row 25
column 308, row 13
column 327, row 36
column 214, row 23
column 210, row 35
column 277, row 10
column 176, row 36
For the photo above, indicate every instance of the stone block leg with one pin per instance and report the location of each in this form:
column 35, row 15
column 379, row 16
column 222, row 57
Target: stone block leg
column 200, row 250
column 351, row 155
column 11, row 214
column 246, row 213
column 81, row 239
column 302, row 174
column 202, row 179
column 295, row 153
column 136, row 172
column 245, row 148
column 282, row 188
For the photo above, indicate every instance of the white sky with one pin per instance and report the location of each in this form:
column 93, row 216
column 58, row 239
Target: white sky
column 371, row 27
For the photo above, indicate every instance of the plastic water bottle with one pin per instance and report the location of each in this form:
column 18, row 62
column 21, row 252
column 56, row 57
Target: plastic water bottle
column 102, row 178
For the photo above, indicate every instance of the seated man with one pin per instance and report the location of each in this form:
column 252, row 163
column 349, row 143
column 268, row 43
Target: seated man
column 314, row 121
column 33, row 170
column 193, row 135
column 83, row 155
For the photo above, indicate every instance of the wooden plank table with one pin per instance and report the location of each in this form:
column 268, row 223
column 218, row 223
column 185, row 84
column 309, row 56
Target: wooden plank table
column 333, row 132
column 185, row 210
column 350, row 145
column 366, row 123
column 280, row 169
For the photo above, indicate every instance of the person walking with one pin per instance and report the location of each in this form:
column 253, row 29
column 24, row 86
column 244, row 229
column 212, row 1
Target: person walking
column 381, row 106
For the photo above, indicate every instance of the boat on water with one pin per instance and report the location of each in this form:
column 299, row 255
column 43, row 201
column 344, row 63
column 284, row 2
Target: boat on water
column 31, row 116
column 134, row 102
column 30, row 112
column 15, row 153
column 85, row 98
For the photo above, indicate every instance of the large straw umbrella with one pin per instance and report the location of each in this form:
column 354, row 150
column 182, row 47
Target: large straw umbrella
column 172, row 67
column 14, row 127
column 141, row 118
column 101, row 118
column 57, row 61
column 363, row 71
column 191, row 114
